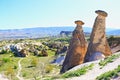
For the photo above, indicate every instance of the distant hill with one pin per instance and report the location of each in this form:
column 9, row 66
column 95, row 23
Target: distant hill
column 114, row 32
column 39, row 32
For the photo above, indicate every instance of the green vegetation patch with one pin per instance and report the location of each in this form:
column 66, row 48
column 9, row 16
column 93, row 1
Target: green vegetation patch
column 5, row 60
column 9, row 65
column 51, row 52
column 38, row 67
column 65, row 39
column 78, row 72
column 110, row 74
column 108, row 60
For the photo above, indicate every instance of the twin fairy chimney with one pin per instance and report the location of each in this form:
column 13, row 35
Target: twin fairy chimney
column 98, row 47
column 77, row 48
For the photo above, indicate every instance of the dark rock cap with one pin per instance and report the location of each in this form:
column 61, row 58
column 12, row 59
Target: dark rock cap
column 79, row 22
column 103, row 13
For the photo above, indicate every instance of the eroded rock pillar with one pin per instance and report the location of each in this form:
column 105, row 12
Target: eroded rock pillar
column 77, row 48
column 98, row 46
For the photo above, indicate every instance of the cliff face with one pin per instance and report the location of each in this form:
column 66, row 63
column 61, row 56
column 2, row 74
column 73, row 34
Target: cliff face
column 98, row 42
column 77, row 48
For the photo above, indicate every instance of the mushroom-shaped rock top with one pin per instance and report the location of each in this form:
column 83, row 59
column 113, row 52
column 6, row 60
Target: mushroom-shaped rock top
column 79, row 22
column 100, row 12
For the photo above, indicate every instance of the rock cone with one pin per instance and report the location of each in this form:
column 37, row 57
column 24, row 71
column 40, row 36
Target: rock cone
column 77, row 48
column 98, row 46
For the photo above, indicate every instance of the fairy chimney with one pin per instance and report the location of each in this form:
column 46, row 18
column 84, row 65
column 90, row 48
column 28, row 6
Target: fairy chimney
column 98, row 47
column 77, row 48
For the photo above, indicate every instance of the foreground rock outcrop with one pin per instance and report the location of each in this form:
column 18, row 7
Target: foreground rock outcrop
column 19, row 50
column 98, row 46
column 77, row 48
column 24, row 49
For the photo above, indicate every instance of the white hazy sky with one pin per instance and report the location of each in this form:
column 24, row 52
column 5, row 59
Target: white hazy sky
column 16, row 14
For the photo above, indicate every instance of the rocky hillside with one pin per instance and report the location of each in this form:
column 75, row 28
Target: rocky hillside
column 104, row 69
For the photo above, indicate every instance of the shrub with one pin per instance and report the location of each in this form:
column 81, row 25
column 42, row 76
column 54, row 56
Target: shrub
column 6, row 60
column 10, row 72
column 15, row 67
column 34, row 62
column 24, row 74
column 49, row 68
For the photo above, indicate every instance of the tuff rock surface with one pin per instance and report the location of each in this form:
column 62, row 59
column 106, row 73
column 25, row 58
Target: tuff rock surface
column 77, row 48
column 98, row 42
